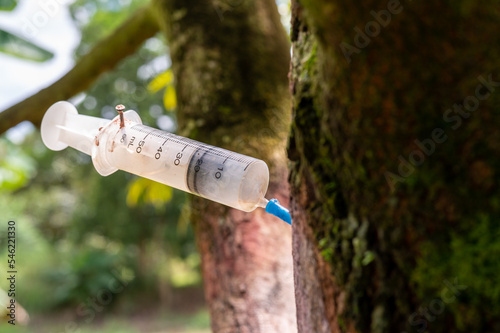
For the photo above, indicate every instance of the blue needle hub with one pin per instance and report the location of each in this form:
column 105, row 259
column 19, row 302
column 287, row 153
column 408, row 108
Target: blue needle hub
column 274, row 207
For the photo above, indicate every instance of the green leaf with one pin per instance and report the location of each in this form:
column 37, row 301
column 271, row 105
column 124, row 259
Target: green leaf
column 21, row 48
column 161, row 81
column 145, row 191
column 170, row 98
column 8, row 5
column 16, row 167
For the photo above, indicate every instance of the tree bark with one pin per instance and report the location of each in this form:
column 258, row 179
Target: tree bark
column 394, row 151
column 230, row 61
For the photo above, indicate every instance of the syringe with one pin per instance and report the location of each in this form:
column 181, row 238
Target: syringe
column 124, row 143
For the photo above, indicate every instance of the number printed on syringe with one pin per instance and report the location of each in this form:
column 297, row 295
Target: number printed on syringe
column 186, row 164
column 125, row 144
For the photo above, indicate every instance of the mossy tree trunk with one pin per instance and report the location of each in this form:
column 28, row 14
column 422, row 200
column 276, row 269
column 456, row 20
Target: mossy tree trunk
column 394, row 149
column 230, row 60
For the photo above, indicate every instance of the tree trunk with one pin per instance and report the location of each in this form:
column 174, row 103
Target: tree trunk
column 394, row 147
column 230, row 60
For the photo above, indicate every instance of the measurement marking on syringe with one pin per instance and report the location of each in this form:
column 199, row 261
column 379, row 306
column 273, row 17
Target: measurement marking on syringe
column 192, row 178
column 195, row 145
column 197, row 170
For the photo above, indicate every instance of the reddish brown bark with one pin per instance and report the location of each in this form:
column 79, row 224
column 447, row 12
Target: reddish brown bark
column 247, row 267
column 230, row 61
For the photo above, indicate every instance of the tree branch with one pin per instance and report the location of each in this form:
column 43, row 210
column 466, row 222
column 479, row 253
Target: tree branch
column 125, row 40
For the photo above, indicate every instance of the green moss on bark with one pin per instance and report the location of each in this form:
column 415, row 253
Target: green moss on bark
column 354, row 121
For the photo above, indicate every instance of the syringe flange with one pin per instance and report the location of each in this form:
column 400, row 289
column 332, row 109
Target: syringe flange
column 110, row 132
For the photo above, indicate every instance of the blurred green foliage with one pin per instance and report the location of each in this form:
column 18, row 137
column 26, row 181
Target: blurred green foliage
column 471, row 259
column 8, row 4
column 15, row 167
column 198, row 322
column 21, row 48
column 165, row 81
column 17, row 46
column 78, row 230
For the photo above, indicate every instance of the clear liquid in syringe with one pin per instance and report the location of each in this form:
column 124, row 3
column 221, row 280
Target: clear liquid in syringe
column 123, row 143
column 191, row 166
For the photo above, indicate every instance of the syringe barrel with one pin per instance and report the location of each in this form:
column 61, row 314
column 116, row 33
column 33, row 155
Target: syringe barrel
column 217, row 174
column 229, row 178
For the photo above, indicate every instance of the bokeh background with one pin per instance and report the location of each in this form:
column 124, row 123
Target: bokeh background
column 95, row 254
